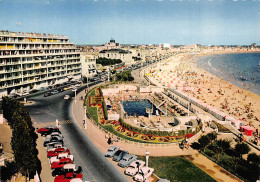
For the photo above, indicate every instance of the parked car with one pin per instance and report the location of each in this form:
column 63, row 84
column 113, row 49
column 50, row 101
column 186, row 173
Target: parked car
column 57, row 151
column 61, row 156
column 60, row 90
column 48, row 130
column 144, row 174
column 33, row 91
column 126, row 160
column 66, row 88
column 47, row 94
column 50, row 87
column 66, row 97
column 77, row 85
column 61, row 163
column 72, row 87
column 42, row 88
column 23, row 93
column 52, row 139
column 111, row 151
column 54, row 134
column 119, row 155
column 134, row 167
column 13, row 95
column 54, row 145
column 54, row 92
column 67, row 168
column 68, row 177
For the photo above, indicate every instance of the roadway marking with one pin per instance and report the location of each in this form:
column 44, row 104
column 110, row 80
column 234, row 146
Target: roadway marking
column 74, row 152
column 51, row 114
column 42, row 125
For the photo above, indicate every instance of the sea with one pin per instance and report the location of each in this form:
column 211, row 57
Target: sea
column 240, row 69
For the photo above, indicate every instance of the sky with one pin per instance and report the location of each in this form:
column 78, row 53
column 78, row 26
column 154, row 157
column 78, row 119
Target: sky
column 178, row 22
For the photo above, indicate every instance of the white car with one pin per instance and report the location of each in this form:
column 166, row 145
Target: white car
column 111, row 151
column 72, row 86
column 77, row 85
column 53, row 146
column 61, row 156
column 54, row 134
column 144, row 174
column 133, row 167
column 126, row 160
column 66, row 97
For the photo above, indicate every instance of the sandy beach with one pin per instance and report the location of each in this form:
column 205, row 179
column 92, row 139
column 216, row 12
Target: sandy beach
column 202, row 85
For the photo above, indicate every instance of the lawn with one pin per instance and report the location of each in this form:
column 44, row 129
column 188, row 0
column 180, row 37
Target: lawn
column 177, row 169
column 93, row 113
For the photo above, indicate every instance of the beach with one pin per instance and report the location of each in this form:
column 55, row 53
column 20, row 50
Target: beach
column 182, row 73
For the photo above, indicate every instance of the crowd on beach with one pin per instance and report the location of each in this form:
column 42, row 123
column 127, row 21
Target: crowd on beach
column 184, row 74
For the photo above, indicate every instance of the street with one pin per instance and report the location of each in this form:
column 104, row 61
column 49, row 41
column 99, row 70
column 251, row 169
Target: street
column 95, row 166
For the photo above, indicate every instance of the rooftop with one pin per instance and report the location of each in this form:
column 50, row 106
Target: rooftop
column 120, row 51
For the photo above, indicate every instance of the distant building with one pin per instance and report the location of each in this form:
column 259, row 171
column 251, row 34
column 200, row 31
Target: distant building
column 124, row 55
column 110, row 45
column 31, row 60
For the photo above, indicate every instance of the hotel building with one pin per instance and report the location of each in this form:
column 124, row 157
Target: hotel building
column 31, row 60
column 124, row 55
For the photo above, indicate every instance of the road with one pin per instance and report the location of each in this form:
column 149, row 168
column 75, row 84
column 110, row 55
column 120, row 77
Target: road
column 95, row 166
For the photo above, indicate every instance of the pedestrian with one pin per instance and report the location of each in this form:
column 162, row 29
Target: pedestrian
column 188, row 145
column 109, row 141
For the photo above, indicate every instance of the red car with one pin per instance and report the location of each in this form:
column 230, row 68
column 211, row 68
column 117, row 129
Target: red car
column 61, row 163
column 58, row 151
column 48, row 130
column 68, row 177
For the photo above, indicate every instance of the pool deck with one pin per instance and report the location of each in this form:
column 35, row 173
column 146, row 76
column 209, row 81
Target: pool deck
column 156, row 122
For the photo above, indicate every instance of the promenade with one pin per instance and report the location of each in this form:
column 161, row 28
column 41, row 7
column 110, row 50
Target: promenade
column 97, row 136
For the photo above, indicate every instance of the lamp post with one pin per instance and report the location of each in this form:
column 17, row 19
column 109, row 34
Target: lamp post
column 75, row 94
column 87, row 83
column 147, row 153
column 85, row 123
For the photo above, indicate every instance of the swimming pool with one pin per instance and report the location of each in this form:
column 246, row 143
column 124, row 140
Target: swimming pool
column 138, row 107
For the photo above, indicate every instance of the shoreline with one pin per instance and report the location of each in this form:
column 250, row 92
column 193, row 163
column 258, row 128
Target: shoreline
column 201, row 55
column 244, row 97
column 184, row 73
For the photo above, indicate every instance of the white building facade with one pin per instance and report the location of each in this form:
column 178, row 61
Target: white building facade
column 124, row 55
column 88, row 65
column 31, row 60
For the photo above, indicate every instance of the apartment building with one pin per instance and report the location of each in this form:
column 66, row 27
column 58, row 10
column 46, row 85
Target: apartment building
column 88, row 65
column 33, row 60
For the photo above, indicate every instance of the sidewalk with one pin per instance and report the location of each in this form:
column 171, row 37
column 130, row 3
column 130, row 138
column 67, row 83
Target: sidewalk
column 46, row 169
column 98, row 138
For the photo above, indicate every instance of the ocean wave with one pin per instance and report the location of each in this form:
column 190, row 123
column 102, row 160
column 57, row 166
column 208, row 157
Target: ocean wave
column 210, row 65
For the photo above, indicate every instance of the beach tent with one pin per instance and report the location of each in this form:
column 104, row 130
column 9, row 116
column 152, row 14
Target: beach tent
column 247, row 130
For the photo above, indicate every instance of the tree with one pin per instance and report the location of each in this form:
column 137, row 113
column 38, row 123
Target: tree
column 8, row 170
column 212, row 136
column 224, row 145
column 23, row 137
column 204, row 141
column 253, row 158
column 216, row 149
column 242, row 148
